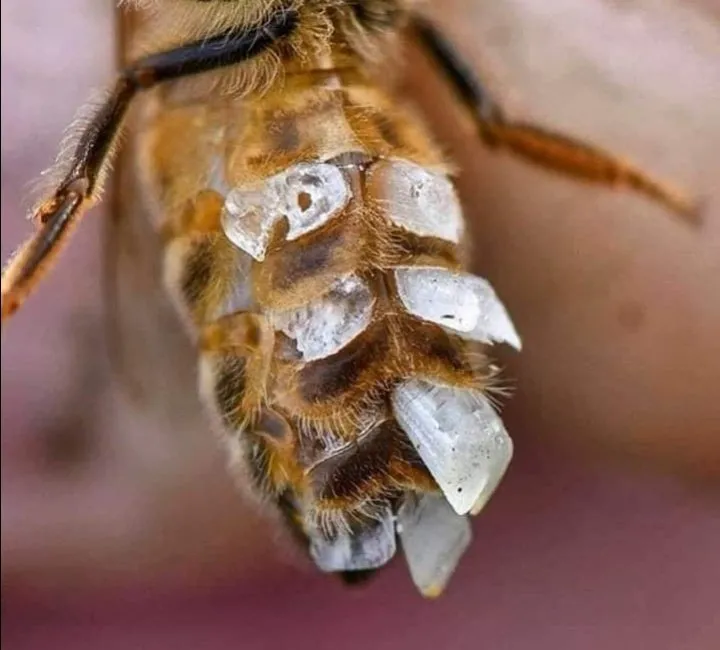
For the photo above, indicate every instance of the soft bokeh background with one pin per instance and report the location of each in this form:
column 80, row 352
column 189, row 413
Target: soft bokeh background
column 120, row 528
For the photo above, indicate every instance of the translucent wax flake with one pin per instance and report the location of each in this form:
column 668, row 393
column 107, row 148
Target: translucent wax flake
column 459, row 437
column 307, row 194
column 371, row 547
column 325, row 326
column 460, row 302
column 417, row 199
column 433, row 539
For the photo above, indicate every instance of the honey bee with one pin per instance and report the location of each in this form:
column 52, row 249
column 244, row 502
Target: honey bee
column 315, row 247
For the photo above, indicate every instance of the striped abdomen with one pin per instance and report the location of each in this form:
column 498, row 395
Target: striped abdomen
column 319, row 259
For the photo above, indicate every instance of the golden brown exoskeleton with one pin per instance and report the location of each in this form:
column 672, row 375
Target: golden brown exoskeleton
column 314, row 246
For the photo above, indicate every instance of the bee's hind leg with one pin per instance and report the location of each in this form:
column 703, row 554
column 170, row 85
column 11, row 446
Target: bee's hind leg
column 60, row 213
column 549, row 149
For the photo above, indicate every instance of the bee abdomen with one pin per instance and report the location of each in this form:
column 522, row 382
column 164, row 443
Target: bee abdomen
column 321, row 266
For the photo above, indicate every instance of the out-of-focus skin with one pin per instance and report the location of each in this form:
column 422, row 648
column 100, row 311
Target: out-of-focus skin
column 603, row 534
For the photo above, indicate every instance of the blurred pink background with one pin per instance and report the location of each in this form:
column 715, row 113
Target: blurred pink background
column 120, row 528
